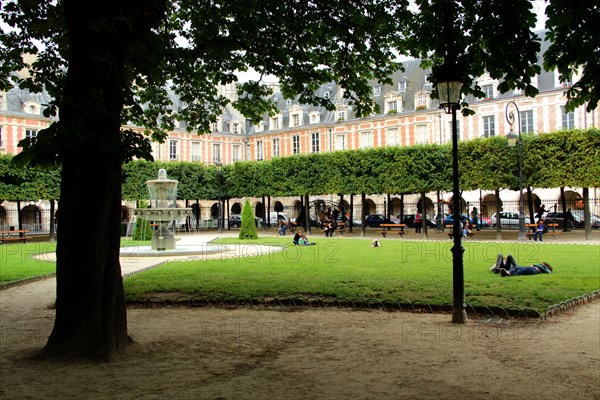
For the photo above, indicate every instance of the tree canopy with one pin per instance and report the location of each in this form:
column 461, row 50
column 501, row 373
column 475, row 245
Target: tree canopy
column 156, row 63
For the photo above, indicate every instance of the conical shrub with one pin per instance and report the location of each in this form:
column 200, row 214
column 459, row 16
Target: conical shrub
column 248, row 228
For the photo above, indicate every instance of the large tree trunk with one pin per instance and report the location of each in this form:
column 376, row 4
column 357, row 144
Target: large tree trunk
column 90, row 319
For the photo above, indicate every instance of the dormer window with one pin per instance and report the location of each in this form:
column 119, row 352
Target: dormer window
column 31, row 107
column 402, row 86
column 216, row 126
column 421, row 100
column 567, row 83
column 235, row 127
column 288, row 102
column 326, row 95
column 427, row 85
column 341, row 113
column 488, row 87
column 295, row 120
column 275, row 122
column 377, row 90
column 314, row 117
column 392, row 103
column 488, row 91
column 295, row 115
column 259, row 127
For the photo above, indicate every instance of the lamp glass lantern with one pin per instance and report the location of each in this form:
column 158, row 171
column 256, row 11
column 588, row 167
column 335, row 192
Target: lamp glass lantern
column 449, row 94
column 512, row 139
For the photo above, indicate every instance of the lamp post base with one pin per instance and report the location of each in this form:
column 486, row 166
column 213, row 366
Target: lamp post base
column 459, row 316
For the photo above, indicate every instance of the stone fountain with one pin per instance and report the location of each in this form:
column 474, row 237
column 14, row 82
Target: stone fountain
column 163, row 211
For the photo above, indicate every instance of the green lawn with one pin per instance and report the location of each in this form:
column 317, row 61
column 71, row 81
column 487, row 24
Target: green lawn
column 400, row 270
column 16, row 261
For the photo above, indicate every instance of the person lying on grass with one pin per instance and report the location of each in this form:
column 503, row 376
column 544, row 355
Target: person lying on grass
column 508, row 267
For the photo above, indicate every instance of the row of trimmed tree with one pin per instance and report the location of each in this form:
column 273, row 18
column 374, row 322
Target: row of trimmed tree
column 558, row 159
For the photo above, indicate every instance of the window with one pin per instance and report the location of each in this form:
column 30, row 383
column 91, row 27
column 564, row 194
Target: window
column 173, row 144
column 258, row 127
column 377, row 90
column 236, row 153
column 392, row 138
column 340, row 142
column 457, row 130
column 288, row 102
column 215, row 126
column 276, row 148
column 568, row 118
column 341, row 114
column 295, row 144
column 488, row 91
column 196, row 151
column 295, row 120
column 422, row 136
column 526, row 121
column 315, row 142
column 427, row 85
column 235, row 127
column 30, row 133
column 421, row 101
column 1, row 143
column 392, row 105
column 31, row 107
column 314, row 117
column 402, row 86
column 366, row 140
column 274, row 123
column 489, row 126
column 259, row 150
column 216, row 156
column 326, row 95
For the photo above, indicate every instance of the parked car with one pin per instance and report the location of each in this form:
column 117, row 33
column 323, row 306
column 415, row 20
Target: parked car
column 594, row 219
column 449, row 219
column 275, row 217
column 375, row 220
column 508, row 219
column 313, row 222
column 409, row 221
column 578, row 219
column 355, row 223
column 484, row 222
column 235, row 221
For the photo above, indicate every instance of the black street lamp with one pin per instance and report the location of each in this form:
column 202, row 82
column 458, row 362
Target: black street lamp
column 219, row 209
column 513, row 139
column 449, row 87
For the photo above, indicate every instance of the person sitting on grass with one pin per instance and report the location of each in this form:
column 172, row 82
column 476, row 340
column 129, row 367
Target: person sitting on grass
column 508, row 267
column 301, row 240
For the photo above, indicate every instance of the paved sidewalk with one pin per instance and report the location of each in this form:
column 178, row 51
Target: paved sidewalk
column 574, row 236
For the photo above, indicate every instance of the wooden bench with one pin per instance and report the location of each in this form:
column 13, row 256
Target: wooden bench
column 339, row 228
column 395, row 228
column 552, row 232
column 451, row 233
column 19, row 234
